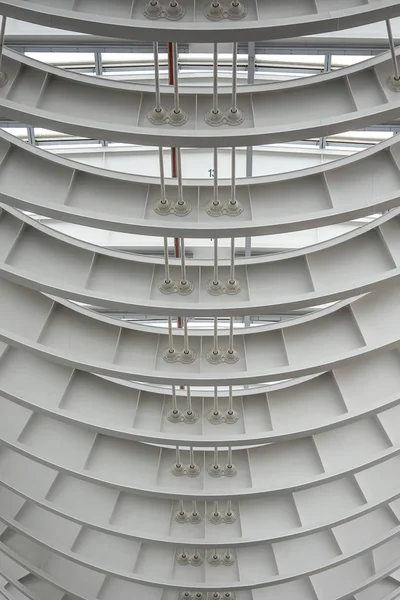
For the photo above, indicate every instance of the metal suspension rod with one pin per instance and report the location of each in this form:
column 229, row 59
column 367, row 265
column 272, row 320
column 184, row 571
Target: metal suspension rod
column 230, row 401
column 215, row 79
column 191, row 459
column 229, row 465
column 176, row 84
column 2, row 35
column 179, row 174
column 181, row 507
column 162, row 175
column 170, row 337
column 215, row 342
column 216, row 279
column 215, row 457
column 174, row 401
column 167, row 276
column 183, row 262
column 194, row 508
column 215, row 182
column 189, row 401
column 393, row 50
column 229, row 508
column 230, row 344
column 157, row 77
column 216, row 411
column 233, row 177
column 216, row 508
column 232, row 266
column 234, row 77
column 185, row 336
column 178, row 457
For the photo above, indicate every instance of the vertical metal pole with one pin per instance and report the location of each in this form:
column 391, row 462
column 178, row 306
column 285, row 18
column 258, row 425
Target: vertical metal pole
column 230, row 345
column 216, row 457
column 174, row 401
column 98, row 64
column 232, row 267
column 216, row 276
column 178, row 457
column 230, row 401
column 31, row 135
column 181, row 200
column 162, row 175
column 229, row 465
column 215, row 80
column 328, row 63
column 327, row 69
column 167, row 277
column 233, row 177
column 157, row 77
column 176, row 83
column 250, row 79
column 247, row 253
column 189, row 401
column 215, row 348
column 170, row 337
column 234, row 77
column 215, row 181
column 185, row 336
column 183, row 263
column 249, row 151
column 393, row 51
column 191, row 459
column 216, row 411
column 2, row 35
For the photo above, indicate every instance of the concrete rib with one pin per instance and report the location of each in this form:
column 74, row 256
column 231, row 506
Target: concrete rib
column 352, row 98
column 126, row 20
column 365, row 183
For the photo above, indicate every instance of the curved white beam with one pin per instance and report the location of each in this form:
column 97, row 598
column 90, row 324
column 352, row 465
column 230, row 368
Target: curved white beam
column 141, row 469
column 159, row 510
column 38, row 257
column 354, row 97
column 348, row 448
column 81, row 398
column 297, row 513
column 364, row 183
column 75, row 544
column 351, row 575
column 126, row 20
column 77, row 337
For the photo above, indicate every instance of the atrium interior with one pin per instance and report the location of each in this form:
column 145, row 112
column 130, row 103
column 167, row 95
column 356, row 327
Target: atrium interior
column 199, row 311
